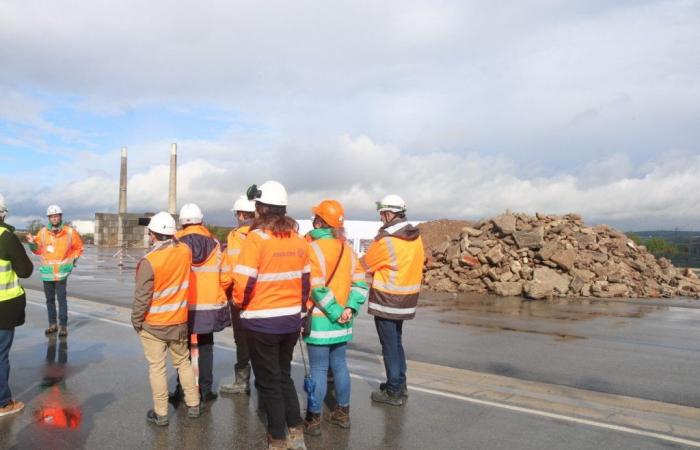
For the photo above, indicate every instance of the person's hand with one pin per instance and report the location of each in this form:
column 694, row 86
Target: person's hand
column 346, row 316
column 30, row 238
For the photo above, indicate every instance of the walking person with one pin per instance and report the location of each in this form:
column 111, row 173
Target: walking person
column 59, row 247
column 208, row 307
column 14, row 264
column 338, row 289
column 244, row 210
column 395, row 258
column 271, row 286
column 159, row 316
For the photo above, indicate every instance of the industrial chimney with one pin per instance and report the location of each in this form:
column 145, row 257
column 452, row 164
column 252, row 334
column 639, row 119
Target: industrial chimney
column 121, row 217
column 172, row 192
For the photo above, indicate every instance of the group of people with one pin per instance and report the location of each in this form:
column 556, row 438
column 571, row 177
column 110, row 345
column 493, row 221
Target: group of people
column 271, row 284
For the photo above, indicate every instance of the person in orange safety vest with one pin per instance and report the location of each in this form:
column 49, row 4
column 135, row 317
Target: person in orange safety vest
column 395, row 259
column 159, row 315
column 209, row 310
column 271, row 287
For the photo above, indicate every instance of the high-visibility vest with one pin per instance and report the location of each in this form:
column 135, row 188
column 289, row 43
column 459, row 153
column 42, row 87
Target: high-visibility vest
column 398, row 270
column 9, row 281
column 271, row 281
column 57, row 252
column 235, row 240
column 324, row 257
column 206, row 292
column 171, row 280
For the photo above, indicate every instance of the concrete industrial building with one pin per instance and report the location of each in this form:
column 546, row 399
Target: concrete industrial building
column 122, row 230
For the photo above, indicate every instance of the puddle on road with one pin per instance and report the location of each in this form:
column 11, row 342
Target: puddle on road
column 547, row 318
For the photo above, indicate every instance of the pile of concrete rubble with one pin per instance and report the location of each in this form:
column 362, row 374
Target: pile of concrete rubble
column 548, row 256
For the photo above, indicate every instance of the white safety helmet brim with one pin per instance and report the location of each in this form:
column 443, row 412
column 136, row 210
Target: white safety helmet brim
column 162, row 223
column 242, row 204
column 191, row 214
column 53, row 210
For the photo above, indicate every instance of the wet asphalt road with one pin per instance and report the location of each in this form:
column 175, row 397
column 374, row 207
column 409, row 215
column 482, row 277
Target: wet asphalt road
column 99, row 375
column 645, row 349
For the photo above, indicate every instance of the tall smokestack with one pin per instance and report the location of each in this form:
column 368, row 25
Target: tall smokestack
column 122, row 184
column 172, row 192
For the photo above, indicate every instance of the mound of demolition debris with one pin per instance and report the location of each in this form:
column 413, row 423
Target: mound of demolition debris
column 435, row 232
column 546, row 256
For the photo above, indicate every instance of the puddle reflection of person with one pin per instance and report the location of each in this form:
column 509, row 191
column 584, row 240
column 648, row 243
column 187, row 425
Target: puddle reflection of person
column 57, row 408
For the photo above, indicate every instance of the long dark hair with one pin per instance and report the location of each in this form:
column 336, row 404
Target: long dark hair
column 274, row 219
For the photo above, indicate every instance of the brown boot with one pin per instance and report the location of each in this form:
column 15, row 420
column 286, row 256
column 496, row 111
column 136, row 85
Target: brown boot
column 276, row 444
column 53, row 328
column 62, row 331
column 340, row 416
column 295, row 438
column 312, row 424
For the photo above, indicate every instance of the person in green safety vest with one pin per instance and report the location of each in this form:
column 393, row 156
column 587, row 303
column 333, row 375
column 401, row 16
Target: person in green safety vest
column 14, row 264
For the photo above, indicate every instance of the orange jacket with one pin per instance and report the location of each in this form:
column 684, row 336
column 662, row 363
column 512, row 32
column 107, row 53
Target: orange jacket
column 58, row 252
column 234, row 242
column 171, row 279
column 271, row 282
column 396, row 259
column 208, row 305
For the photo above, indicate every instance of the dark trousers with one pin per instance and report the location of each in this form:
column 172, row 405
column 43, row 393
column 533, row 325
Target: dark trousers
column 390, row 332
column 56, row 290
column 205, row 362
column 239, row 335
column 7, row 335
column 271, row 357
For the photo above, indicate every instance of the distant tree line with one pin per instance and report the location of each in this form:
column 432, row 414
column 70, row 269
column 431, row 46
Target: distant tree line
column 656, row 245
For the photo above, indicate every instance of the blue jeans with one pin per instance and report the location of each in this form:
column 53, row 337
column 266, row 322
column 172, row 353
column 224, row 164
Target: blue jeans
column 56, row 290
column 389, row 332
column 320, row 357
column 6, row 337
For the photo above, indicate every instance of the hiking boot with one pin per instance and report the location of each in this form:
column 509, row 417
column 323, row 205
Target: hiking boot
column 11, row 408
column 340, row 416
column 312, row 424
column 295, row 438
column 240, row 384
column 276, row 444
column 194, row 411
column 387, row 397
column 62, row 331
column 208, row 396
column 404, row 389
column 53, row 328
column 155, row 419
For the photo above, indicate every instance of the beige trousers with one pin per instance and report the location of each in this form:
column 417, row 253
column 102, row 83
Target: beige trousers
column 155, row 351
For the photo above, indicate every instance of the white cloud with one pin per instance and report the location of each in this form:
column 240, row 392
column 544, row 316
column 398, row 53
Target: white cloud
column 360, row 171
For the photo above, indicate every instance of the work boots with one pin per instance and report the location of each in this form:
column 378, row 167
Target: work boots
column 340, row 416
column 241, row 383
column 276, row 444
column 155, row 419
column 295, row 438
column 387, row 397
column 312, row 424
column 404, row 389
column 62, row 331
column 53, row 328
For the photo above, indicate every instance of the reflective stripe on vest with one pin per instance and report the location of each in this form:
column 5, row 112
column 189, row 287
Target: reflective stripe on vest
column 267, row 313
column 9, row 282
column 171, row 272
column 390, row 310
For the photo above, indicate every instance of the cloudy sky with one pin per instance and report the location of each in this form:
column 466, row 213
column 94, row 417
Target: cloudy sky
column 464, row 108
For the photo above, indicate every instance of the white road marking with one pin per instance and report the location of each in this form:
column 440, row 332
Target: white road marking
column 534, row 412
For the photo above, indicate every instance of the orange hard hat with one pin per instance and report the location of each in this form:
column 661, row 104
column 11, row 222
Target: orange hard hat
column 331, row 211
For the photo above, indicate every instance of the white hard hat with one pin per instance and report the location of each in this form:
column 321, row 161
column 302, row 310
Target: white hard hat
column 3, row 206
column 271, row 193
column 243, row 204
column 53, row 209
column 392, row 203
column 190, row 213
column 162, row 223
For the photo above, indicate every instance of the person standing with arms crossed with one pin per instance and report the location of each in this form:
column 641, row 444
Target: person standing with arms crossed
column 271, row 286
column 59, row 247
column 395, row 259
